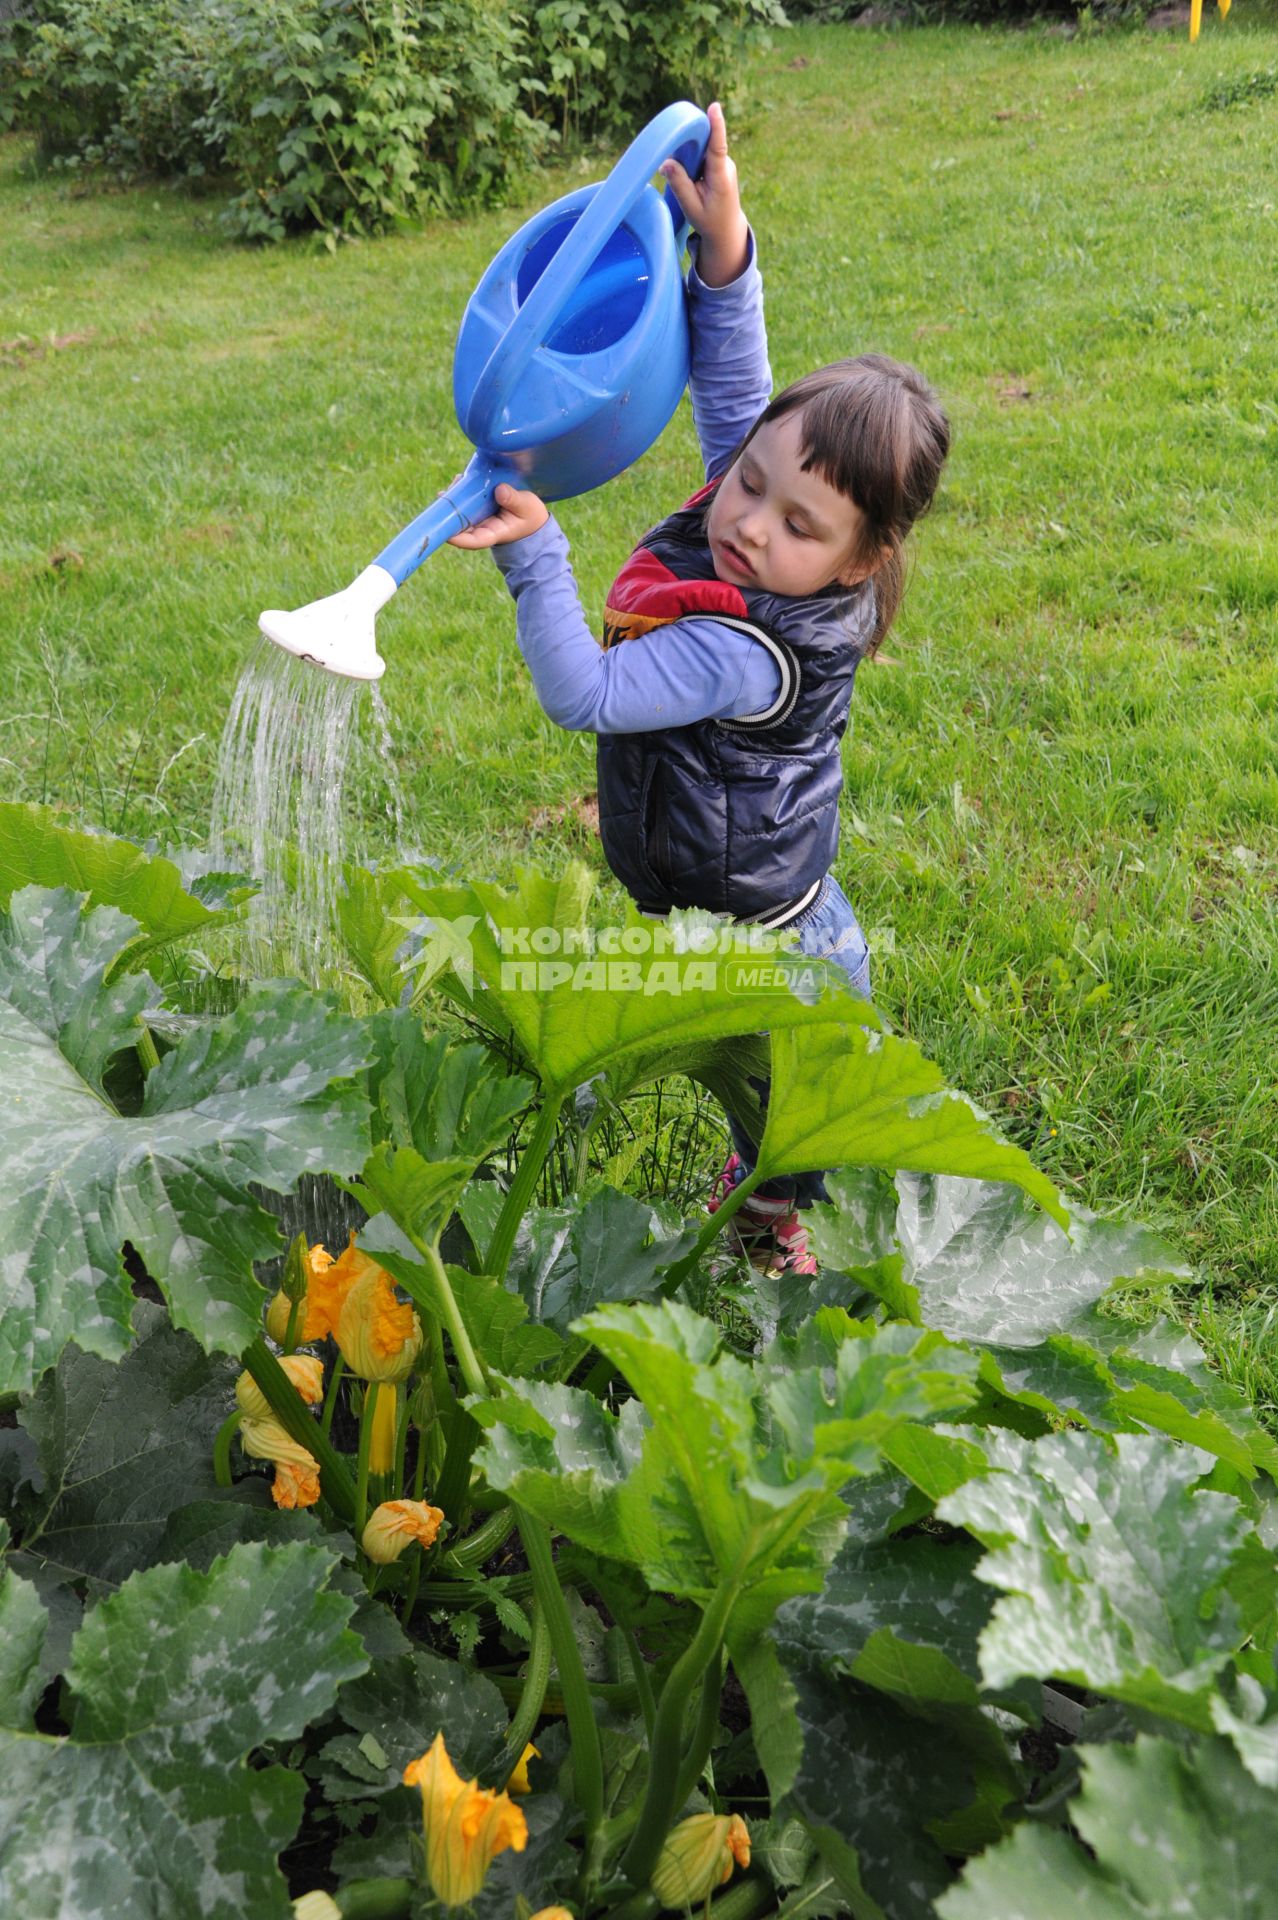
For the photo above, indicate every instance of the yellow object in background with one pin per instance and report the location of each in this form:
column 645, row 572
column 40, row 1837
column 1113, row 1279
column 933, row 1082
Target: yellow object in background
column 1196, row 16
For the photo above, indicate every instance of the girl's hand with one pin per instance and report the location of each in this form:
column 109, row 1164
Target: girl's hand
column 518, row 514
column 713, row 206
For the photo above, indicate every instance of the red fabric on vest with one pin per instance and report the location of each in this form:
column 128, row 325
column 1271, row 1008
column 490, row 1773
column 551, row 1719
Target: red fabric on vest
column 646, row 594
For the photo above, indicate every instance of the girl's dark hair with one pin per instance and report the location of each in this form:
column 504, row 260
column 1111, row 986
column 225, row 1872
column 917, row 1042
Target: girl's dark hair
column 875, row 431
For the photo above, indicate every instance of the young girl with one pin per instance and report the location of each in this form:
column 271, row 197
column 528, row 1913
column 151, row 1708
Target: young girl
column 745, row 617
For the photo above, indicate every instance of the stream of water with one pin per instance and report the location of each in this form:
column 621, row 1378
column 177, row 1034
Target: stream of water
column 301, row 788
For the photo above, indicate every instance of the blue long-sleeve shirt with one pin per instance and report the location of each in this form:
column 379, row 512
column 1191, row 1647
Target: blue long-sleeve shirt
column 695, row 668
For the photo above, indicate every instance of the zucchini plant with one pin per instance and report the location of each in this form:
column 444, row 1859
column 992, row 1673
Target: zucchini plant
column 521, row 1558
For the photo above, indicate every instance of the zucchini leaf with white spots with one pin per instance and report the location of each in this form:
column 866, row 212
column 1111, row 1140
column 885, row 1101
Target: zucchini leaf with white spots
column 1173, row 1831
column 258, row 1098
column 1115, row 1570
column 146, row 1808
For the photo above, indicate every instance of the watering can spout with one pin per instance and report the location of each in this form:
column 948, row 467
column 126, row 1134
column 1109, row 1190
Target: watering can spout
column 337, row 632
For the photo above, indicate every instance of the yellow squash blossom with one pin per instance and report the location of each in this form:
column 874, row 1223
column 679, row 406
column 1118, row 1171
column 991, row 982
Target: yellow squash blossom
column 303, row 1369
column 295, row 1486
column 379, row 1336
column 323, row 1300
column 466, row 1827
column 384, row 1420
column 699, row 1856
column 518, row 1781
column 296, row 1471
column 394, row 1526
column 267, row 1440
column 552, row 1913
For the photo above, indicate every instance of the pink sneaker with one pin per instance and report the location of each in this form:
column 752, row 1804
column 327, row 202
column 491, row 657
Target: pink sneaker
column 766, row 1232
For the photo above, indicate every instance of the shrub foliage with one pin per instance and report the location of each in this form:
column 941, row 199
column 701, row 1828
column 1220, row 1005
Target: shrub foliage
column 350, row 115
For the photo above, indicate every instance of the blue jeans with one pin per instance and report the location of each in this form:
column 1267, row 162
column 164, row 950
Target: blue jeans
column 828, row 928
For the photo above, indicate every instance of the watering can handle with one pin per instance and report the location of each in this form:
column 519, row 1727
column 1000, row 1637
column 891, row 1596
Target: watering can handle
column 681, row 130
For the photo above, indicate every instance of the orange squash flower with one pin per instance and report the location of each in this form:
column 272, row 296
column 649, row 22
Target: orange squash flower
column 394, row 1526
column 267, row 1440
column 295, row 1486
column 518, row 1781
column 379, row 1336
column 466, row 1827
column 306, row 1372
column 322, row 1303
column 699, row 1856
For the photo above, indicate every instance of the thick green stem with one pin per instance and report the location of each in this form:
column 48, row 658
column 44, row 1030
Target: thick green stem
column 290, row 1331
column 289, row 1408
column 583, row 1732
column 415, row 1571
column 745, row 1901
column 222, row 1449
column 714, row 1225
column 522, row 1188
column 480, row 1545
column 445, row 1304
column 600, row 1377
column 665, row 1754
column 643, row 1905
column 707, row 1720
column 643, row 1681
column 147, row 1052
column 531, row 1700
column 371, row 1391
column 330, row 1398
column 749, row 1898
column 374, row 1899
column 453, row 1489
column 613, row 1693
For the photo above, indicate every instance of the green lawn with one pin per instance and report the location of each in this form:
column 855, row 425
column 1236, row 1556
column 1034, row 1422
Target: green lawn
column 1062, row 786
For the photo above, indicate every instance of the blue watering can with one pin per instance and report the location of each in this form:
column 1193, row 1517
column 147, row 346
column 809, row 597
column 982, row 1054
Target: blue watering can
column 571, row 358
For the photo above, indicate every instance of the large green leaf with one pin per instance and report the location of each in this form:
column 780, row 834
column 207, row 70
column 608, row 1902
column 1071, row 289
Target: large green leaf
column 38, row 849
column 683, row 991
column 846, row 1096
column 147, row 1809
column 1175, row 1833
column 1114, row 1570
column 717, row 1470
column 23, row 1627
column 875, row 1779
column 1163, row 1381
column 260, row 1097
column 981, row 1263
column 443, row 1108
column 373, row 936
column 399, row 1706
column 904, row 1615
column 567, row 1260
column 119, row 1447
column 988, row 1267
column 448, row 1101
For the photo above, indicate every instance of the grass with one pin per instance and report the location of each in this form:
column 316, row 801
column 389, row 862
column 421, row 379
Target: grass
column 1062, row 786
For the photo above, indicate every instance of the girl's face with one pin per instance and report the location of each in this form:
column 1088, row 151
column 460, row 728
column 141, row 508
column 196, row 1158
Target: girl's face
column 773, row 526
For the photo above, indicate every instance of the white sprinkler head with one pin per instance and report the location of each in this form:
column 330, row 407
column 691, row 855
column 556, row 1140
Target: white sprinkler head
column 337, row 633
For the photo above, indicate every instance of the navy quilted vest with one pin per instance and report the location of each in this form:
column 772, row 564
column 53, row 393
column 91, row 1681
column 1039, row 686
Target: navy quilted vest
column 738, row 816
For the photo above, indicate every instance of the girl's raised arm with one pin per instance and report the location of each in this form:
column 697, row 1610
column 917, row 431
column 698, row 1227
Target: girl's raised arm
column 731, row 381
